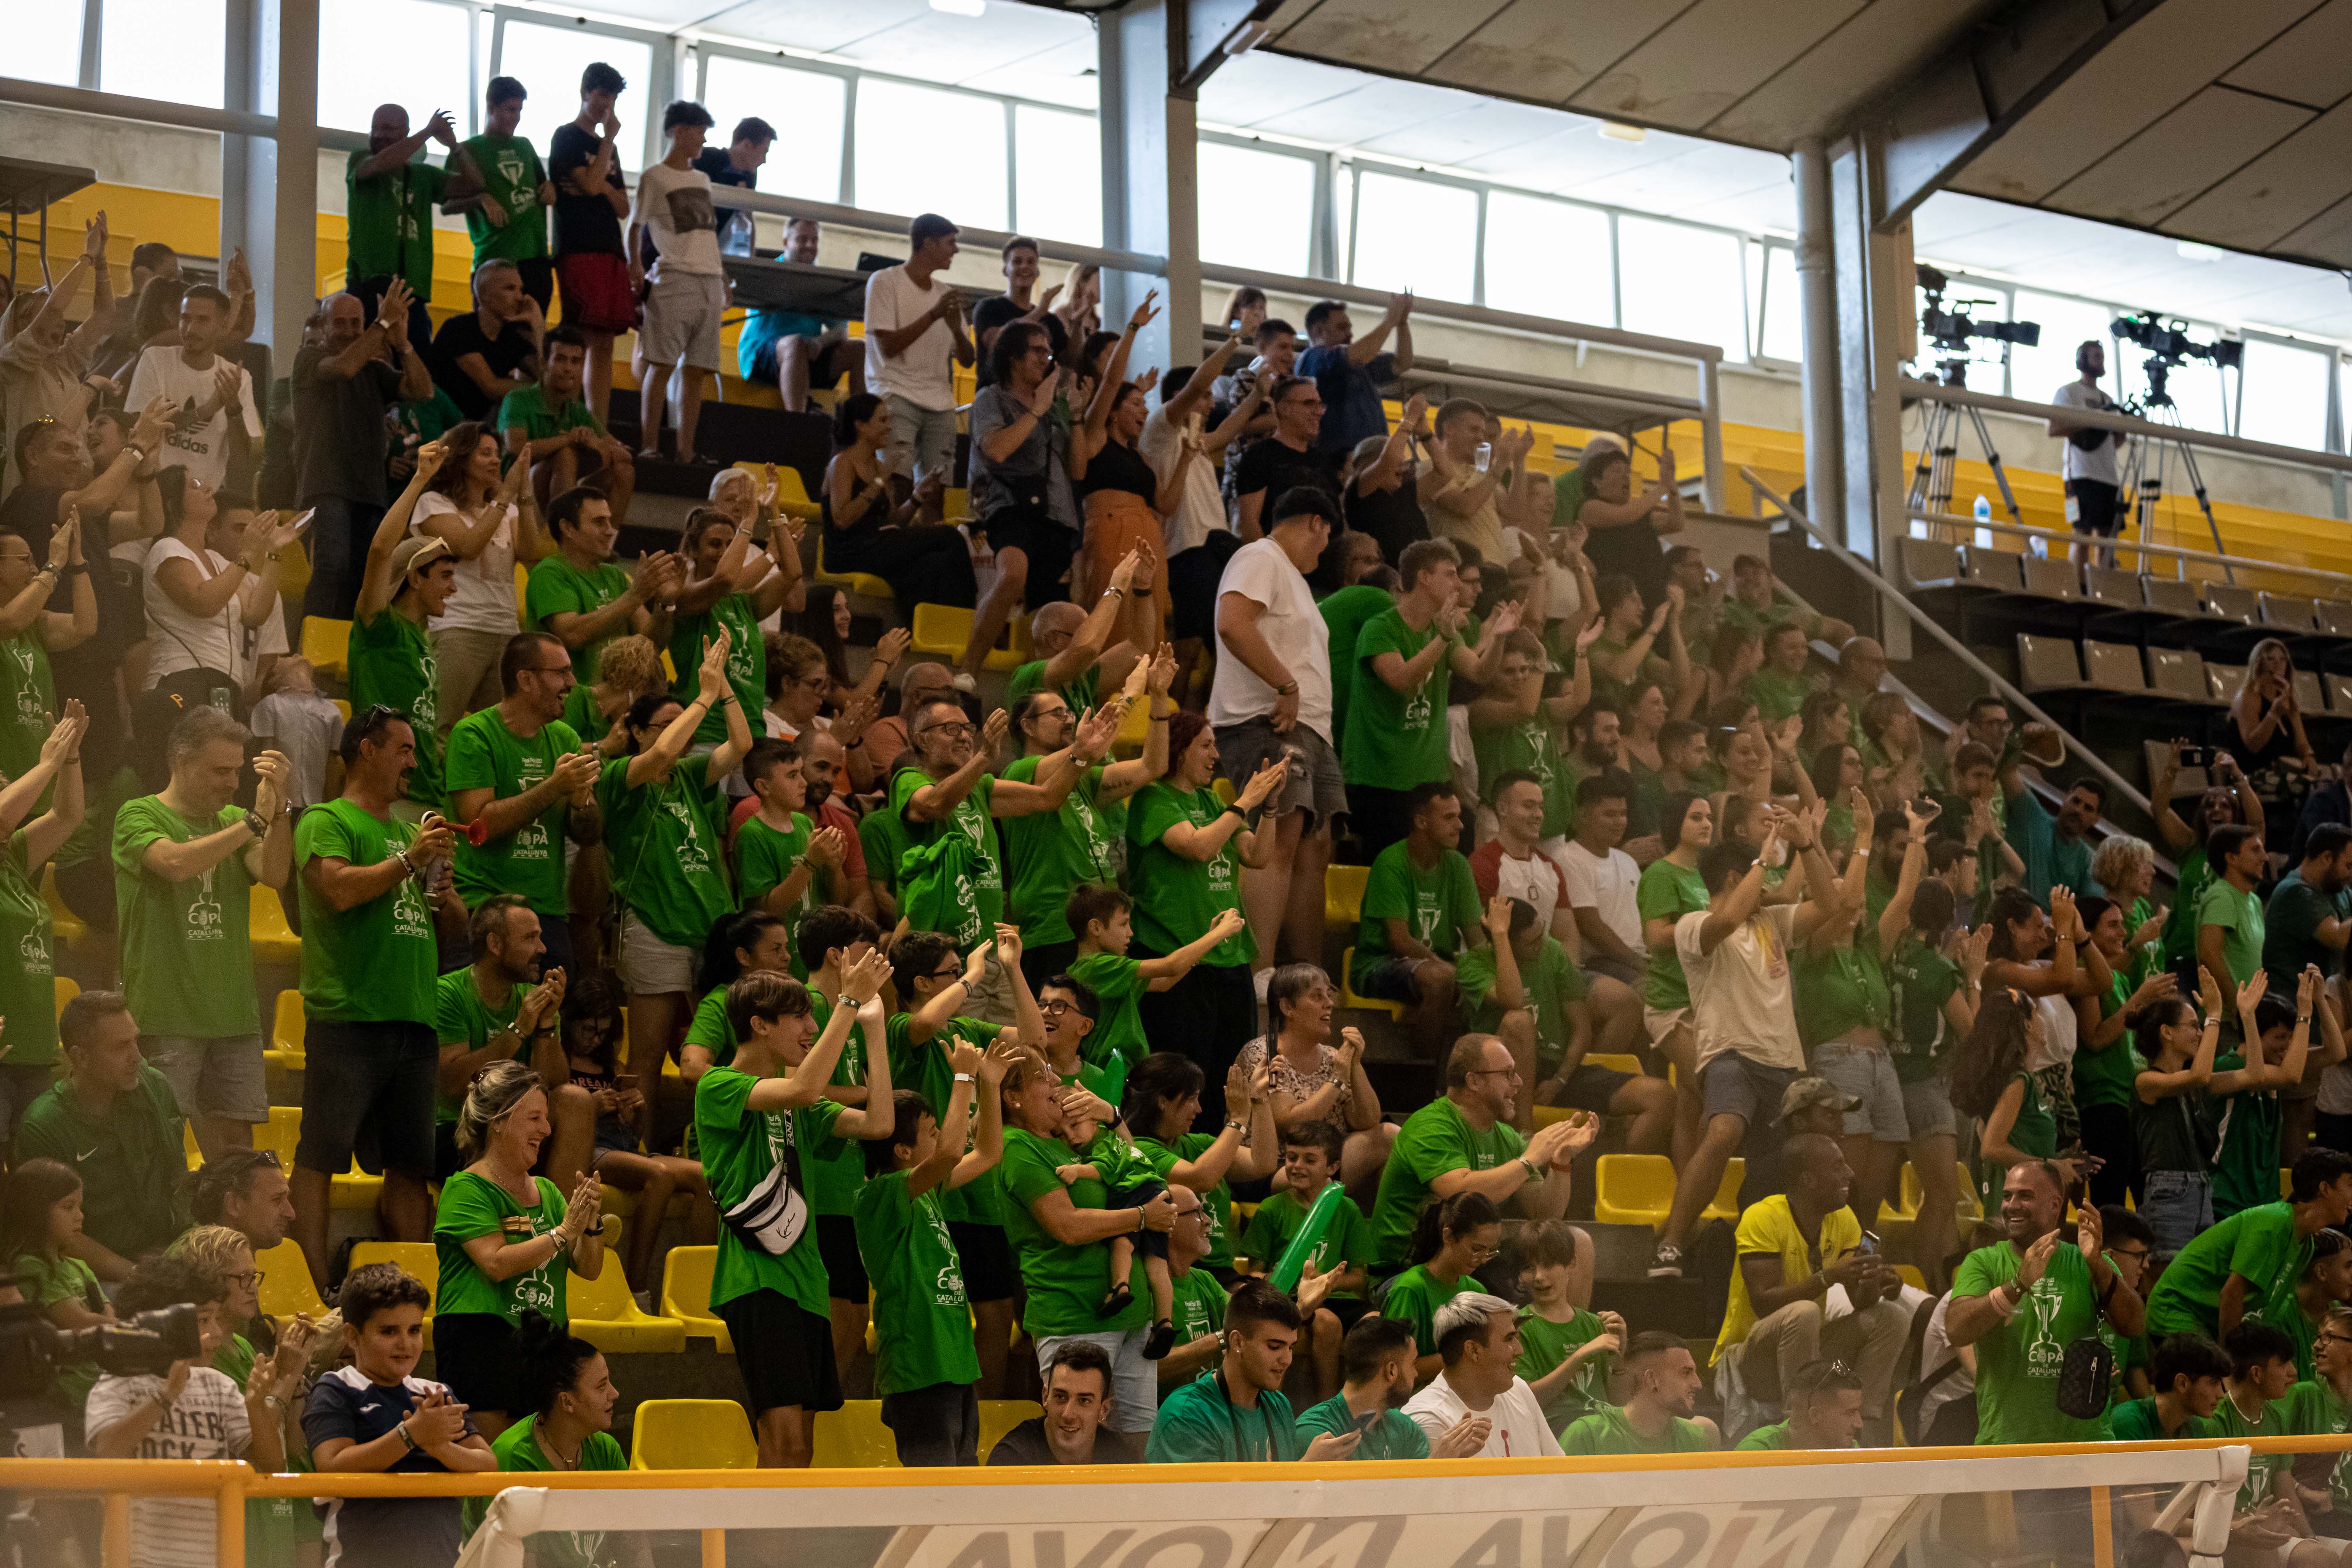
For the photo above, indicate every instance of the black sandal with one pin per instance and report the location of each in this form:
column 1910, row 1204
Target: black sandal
column 1160, row 1341
column 1121, row 1296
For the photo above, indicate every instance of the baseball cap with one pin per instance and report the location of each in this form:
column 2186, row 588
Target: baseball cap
column 1808, row 1092
column 416, row 553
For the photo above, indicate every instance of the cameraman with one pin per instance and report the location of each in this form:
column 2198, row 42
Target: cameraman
column 2090, row 455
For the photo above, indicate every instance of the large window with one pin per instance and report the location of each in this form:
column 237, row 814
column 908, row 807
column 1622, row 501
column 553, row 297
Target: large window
column 923, row 149
column 2066, row 324
column 1417, row 235
column 1782, row 333
column 1257, row 209
column 169, row 49
column 45, row 43
column 1677, row 281
column 1548, row 258
column 808, row 110
column 549, row 60
column 1058, row 174
column 2284, row 396
column 414, row 52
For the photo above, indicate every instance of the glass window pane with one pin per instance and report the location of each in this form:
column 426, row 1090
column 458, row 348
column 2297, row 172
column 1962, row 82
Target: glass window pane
column 2285, row 397
column 410, row 52
column 808, row 110
column 1416, row 235
column 1784, row 307
column 549, row 60
column 1057, row 170
column 167, row 49
column 2066, row 325
column 2205, row 398
column 1549, row 259
column 923, row 149
column 45, row 43
column 1683, row 282
column 1256, row 208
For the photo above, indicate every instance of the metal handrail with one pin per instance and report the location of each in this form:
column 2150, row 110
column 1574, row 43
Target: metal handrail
column 2300, row 457
column 1951, row 643
column 2182, row 553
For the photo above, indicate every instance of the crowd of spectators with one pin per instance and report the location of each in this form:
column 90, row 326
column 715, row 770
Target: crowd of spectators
column 997, row 1024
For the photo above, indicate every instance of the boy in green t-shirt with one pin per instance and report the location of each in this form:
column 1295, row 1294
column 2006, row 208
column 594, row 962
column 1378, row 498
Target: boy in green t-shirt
column 505, row 212
column 1310, row 1162
column 1102, row 919
column 2261, row 1370
column 782, row 864
column 1566, row 1352
column 2190, row 1374
column 1421, row 910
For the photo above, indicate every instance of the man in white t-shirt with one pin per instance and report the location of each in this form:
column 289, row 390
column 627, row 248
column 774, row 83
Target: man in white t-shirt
column 214, row 397
column 1734, row 954
column 1517, row 864
column 685, row 295
column 1478, row 1341
column 914, row 327
column 1602, row 880
column 2089, row 457
column 1270, row 701
column 1174, row 435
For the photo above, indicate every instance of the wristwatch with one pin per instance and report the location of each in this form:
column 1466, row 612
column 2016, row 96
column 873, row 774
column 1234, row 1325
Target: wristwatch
column 1534, row 1173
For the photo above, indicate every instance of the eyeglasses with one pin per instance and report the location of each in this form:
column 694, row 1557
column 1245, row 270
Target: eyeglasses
column 2128, row 1252
column 1054, row 1009
column 251, row 1277
column 819, row 683
column 948, row 971
column 948, row 727
column 1493, row 1072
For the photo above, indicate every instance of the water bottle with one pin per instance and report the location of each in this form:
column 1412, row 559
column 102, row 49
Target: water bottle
column 1983, row 509
column 735, row 239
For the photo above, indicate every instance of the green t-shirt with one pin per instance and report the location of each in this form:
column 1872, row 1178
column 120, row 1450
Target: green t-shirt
column 2262, row 1469
column 1439, row 905
column 28, row 698
column 1433, row 1139
column 27, row 987
column 1031, row 677
column 1347, row 1241
column 2239, row 916
column 747, row 661
column 1778, row 695
column 1345, row 614
column 1549, row 982
column 462, row 1017
column 922, row 1321
column 1668, row 892
column 664, row 845
column 1527, row 746
column 1119, row 984
column 2018, row 1362
column 179, row 939
column 972, row 817
column 517, row 1448
column 740, row 1148
column 132, row 1161
column 556, row 587
column 2260, row 1245
column 2312, row 1408
column 2105, row 1075
column 834, row 1171
column 1836, row 993
column 473, row 1206
column 2138, row 1421
column 1395, row 740
column 1197, row 1300
column 1918, row 984
column 884, row 839
column 1178, row 898
column 511, row 175
column 2290, row 927
column 486, row 753
column 765, row 859
column 375, row 962
column 393, row 664
column 44, row 1283
column 1048, row 853
column 1776, row 1436
column 924, row 1067
column 390, row 222
column 1066, row 1284
column 525, row 409
column 1391, row 1434
column 1199, row 1424
column 2245, row 1128
column 1606, row 1431
column 1544, row 1345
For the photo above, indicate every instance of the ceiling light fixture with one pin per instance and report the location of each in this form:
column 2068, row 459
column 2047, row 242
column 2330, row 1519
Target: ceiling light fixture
column 1608, row 128
column 2194, row 250
column 961, row 8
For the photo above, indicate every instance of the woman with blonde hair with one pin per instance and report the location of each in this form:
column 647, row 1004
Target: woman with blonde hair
column 2268, row 720
column 628, row 668
column 2125, row 870
column 228, row 1256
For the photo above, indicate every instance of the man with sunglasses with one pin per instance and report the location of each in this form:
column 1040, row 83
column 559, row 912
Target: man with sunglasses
column 1824, row 1401
column 245, row 1190
column 520, row 775
column 1286, row 460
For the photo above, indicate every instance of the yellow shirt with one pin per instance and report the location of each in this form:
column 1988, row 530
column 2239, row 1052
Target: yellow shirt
column 1771, row 1227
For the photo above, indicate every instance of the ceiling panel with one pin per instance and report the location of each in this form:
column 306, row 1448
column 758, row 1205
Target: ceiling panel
column 1709, row 58
column 824, row 25
column 2310, row 64
column 1481, row 128
column 2153, row 67
column 1376, row 106
column 2328, row 239
column 2279, row 191
column 2173, row 161
column 1543, row 50
column 1063, row 74
column 1251, row 88
column 1399, row 37
column 1888, row 40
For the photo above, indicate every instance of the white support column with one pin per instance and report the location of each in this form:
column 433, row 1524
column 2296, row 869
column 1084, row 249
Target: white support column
column 269, row 189
column 1872, row 293
column 1817, row 300
column 1151, row 178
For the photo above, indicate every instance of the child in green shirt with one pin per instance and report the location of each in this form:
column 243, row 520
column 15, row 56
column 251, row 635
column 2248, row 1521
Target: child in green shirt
column 1112, row 1159
column 1102, row 919
column 40, row 1216
column 1566, row 1352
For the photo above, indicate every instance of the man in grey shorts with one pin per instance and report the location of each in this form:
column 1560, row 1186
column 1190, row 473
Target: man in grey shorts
column 1272, row 698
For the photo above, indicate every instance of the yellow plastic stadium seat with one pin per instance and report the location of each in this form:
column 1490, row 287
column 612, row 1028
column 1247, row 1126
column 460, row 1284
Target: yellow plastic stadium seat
column 1911, row 1276
column 64, row 924
column 327, row 644
column 1639, row 1189
column 285, row 1283
column 686, row 1297
column 273, row 940
column 1343, row 897
column 1907, row 1195
column 355, row 1189
column 286, row 1029
column 1614, row 1062
column 792, row 495
column 419, row 1260
column 343, row 707
column 863, row 583
column 67, row 989
column 942, row 630
column 1348, row 997
column 2286, row 1183
column 606, row 1315
column 692, row 1435
column 998, row 1416
column 1224, row 789
column 188, row 1143
column 854, row 1439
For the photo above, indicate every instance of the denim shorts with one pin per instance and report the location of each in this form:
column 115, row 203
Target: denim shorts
column 1867, row 1073
column 2176, row 1205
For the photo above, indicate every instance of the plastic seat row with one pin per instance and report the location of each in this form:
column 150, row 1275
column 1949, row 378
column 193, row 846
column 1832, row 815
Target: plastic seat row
column 715, row 1434
column 1931, row 564
column 602, row 1310
column 1639, row 1189
column 2176, row 675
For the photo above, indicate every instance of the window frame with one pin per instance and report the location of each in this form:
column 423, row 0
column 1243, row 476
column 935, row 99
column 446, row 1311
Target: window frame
column 661, row 89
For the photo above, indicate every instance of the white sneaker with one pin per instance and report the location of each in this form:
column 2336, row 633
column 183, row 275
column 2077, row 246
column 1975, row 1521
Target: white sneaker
column 966, row 681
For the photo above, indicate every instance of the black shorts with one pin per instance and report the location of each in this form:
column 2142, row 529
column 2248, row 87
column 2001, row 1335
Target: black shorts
column 1149, row 1242
column 844, row 1270
column 367, row 1091
column 1349, row 1309
column 538, row 281
column 1048, row 545
column 2095, row 506
column 1592, row 1087
column 987, row 1261
column 480, row 1356
column 784, row 1353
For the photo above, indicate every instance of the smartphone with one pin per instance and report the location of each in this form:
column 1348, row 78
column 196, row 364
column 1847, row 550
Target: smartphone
column 625, row 1080
column 1364, row 1423
column 2196, row 756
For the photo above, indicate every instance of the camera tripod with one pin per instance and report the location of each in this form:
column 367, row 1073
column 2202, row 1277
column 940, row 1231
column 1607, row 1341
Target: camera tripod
column 2141, row 474
column 1939, row 450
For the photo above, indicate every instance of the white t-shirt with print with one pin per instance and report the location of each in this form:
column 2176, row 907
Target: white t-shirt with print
column 208, row 1421
column 202, row 450
column 179, row 641
column 674, row 205
column 1292, row 628
column 1516, row 1426
column 921, row 373
column 1740, row 999
column 484, row 597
